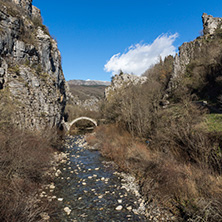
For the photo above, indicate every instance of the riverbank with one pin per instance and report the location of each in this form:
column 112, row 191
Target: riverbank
column 169, row 186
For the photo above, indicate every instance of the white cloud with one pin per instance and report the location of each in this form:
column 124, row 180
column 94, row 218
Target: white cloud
column 138, row 58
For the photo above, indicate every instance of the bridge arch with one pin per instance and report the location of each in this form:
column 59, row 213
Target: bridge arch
column 82, row 118
column 68, row 125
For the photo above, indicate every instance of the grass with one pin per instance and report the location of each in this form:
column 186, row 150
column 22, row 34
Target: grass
column 214, row 122
column 44, row 76
column 14, row 70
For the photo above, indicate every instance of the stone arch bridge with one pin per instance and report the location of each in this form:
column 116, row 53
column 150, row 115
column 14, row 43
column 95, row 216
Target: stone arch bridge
column 68, row 125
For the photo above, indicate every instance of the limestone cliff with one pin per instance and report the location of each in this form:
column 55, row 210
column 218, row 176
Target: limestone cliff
column 190, row 51
column 30, row 66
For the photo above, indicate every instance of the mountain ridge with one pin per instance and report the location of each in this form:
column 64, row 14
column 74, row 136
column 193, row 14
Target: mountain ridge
column 79, row 82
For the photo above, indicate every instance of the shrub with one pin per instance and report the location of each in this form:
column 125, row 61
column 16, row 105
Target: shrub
column 136, row 107
column 24, row 158
column 189, row 191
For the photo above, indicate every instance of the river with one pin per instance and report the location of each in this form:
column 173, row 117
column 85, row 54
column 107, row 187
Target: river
column 90, row 188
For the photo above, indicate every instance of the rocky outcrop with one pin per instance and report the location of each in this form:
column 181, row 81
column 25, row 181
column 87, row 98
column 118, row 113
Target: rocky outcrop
column 210, row 24
column 186, row 54
column 24, row 4
column 30, row 66
column 190, row 50
column 121, row 81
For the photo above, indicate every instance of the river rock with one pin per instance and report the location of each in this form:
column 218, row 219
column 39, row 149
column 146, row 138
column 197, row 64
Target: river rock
column 129, row 208
column 52, row 186
column 67, row 210
column 120, row 207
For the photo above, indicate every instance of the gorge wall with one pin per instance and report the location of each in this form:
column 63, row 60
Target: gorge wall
column 30, row 66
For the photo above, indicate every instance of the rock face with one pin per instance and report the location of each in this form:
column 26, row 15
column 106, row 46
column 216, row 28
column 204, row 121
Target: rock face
column 210, row 24
column 30, row 66
column 188, row 51
column 24, row 4
column 121, row 81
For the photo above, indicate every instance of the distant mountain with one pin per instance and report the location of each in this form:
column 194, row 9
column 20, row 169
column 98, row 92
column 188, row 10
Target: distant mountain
column 77, row 82
column 85, row 90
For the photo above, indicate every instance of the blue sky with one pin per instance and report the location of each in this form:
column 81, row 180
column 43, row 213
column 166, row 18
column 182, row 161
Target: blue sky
column 91, row 32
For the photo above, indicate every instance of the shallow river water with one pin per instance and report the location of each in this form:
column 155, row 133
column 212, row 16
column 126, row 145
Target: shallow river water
column 91, row 189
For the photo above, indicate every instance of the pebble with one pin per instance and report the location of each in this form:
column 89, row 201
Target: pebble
column 60, row 199
column 129, row 208
column 120, row 207
column 67, row 210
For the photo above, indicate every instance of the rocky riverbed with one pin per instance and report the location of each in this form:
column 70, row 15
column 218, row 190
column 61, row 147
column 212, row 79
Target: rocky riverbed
column 87, row 187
